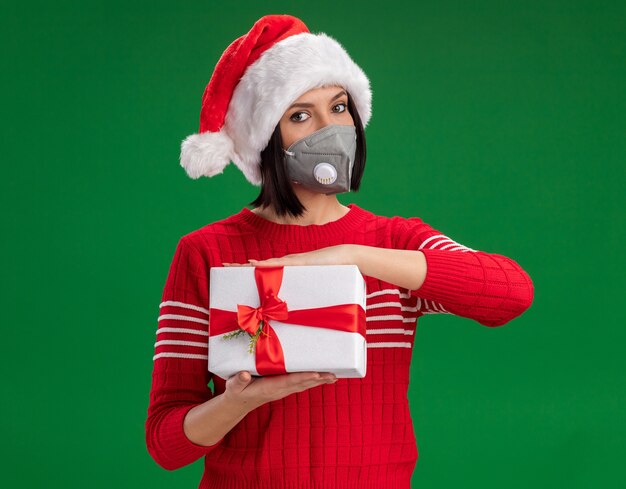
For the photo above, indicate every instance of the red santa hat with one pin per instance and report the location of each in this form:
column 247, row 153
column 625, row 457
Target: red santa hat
column 256, row 79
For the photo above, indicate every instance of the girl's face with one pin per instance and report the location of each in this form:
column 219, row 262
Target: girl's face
column 315, row 109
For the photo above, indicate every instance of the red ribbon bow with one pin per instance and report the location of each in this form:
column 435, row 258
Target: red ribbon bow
column 269, row 352
column 249, row 318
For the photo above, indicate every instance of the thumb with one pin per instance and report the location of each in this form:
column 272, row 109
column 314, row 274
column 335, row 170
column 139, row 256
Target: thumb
column 240, row 380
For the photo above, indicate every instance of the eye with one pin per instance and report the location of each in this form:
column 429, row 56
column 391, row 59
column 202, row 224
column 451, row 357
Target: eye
column 344, row 107
column 298, row 119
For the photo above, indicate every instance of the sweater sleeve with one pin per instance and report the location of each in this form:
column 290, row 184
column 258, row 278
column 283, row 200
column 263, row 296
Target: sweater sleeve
column 180, row 363
column 488, row 288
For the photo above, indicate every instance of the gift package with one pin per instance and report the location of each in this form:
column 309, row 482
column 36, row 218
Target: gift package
column 272, row 320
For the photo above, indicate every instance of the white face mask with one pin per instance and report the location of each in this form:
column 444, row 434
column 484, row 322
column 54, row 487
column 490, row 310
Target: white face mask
column 323, row 160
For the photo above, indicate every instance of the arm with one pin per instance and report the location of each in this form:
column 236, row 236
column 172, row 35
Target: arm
column 180, row 367
column 448, row 277
column 206, row 424
column 404, row 268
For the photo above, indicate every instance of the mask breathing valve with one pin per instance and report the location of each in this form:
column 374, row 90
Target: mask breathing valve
column 325, row 173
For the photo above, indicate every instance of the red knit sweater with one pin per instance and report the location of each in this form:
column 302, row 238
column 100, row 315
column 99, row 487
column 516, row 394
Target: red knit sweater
column 355, row 433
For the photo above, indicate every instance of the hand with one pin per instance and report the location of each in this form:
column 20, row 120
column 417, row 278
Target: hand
column 344, row 254
column 251, row 392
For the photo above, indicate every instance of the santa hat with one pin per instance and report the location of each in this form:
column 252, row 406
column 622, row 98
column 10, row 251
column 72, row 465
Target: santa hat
column 255, row 80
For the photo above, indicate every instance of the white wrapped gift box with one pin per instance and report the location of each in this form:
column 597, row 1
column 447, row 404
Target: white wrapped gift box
column 305, row 348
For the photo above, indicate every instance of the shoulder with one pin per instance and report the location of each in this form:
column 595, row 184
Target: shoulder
column 406, row 232
column 396, row 231
column 395, row 223
column 208, row 236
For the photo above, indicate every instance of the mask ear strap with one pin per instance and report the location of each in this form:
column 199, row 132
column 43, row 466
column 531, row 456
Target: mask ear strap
column 290, row 153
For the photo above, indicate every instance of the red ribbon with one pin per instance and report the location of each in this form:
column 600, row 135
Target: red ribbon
column 269, row 352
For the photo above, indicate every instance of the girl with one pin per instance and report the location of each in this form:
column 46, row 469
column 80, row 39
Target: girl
column 279, row 98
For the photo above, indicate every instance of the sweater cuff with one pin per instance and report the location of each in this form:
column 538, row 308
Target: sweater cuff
column 177, row 440
column 442, row 268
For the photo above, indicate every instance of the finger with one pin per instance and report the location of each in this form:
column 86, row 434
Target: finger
column 267, row 263
column 312, row 377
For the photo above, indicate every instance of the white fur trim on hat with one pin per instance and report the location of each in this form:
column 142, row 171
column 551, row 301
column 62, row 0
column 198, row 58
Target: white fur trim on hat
column 206, row 154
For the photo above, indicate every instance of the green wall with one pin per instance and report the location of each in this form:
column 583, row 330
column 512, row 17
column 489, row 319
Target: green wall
column 502, row 124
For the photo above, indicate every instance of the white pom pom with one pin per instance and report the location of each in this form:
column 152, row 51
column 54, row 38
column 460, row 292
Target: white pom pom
column 206, row 154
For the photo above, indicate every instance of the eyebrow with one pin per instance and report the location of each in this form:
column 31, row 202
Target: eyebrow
column 303, row 104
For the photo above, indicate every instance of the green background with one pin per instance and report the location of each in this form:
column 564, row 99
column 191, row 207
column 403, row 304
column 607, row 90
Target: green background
column 500, row 123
